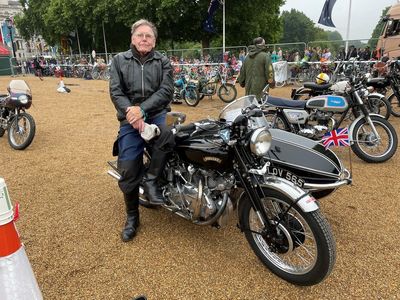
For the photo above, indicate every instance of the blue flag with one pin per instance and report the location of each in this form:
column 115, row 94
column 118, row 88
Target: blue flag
column 326, row 14
column 208, row 23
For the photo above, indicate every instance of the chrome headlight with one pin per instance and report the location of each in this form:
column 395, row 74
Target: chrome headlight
column 260, row 141
column 23, row 99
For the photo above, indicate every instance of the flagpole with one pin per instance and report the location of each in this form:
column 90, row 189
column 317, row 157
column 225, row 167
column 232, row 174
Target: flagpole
column 223, row 28
column 348, row 28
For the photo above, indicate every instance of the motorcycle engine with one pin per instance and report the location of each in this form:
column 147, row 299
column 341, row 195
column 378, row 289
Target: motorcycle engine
column 318, row 125
column 198, row 193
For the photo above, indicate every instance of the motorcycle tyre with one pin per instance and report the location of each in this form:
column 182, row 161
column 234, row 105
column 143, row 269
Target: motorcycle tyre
column 191, row 97
column 279, row 84
column 324, row 241
column 230, row 91
column 395, row 105
column 31, row 134
column 278, row 119
column 2, row 131
column 368, row 158
column 382, row 102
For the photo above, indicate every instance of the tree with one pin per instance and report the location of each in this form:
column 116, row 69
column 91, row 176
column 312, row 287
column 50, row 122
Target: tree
column 297, row 27
column 176, row 20
column 378, row 30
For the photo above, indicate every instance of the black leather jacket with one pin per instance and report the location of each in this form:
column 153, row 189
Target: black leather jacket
column 149, row 85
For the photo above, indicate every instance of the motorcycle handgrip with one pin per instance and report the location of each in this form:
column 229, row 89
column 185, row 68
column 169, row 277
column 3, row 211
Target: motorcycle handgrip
column 181, row 128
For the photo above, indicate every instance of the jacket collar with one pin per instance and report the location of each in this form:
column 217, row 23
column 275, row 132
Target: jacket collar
column 128, row 54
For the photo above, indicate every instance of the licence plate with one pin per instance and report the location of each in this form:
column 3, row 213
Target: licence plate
column 274, row 171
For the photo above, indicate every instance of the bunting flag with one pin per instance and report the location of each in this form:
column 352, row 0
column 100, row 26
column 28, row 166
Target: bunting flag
column 208, row 23
column 326, row 14
column 338, row 137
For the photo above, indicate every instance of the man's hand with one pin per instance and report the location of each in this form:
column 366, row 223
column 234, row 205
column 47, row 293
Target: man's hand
column 133, row 114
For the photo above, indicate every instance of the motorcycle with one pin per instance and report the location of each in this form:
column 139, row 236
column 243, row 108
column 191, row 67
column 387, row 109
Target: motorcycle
column 186, row 90
column 221, row 165
column 375, row 102
column 14, row 119
column 390, row 82
column 372, row 137
column 208, row 86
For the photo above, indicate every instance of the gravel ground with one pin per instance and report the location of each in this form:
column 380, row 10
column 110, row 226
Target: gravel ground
column 72, row 214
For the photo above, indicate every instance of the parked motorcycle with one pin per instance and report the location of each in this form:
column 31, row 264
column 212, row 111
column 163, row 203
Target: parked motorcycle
column 208, row 86
column 222, row 165
column 14, row 119
column 375, row 102
column 372, row 137
column 186, row 90
column 391, row 82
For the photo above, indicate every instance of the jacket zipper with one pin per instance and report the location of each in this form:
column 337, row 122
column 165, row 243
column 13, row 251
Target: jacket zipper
column 142, row 73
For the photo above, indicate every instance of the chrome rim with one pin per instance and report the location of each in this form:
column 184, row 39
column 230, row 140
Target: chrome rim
column 370, row 144
column 20, row 131
column 301, row 248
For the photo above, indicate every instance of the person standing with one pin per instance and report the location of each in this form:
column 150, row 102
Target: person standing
column 256, row 70
column 141, row 89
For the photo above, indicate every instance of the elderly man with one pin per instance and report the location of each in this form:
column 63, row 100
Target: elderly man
column 141, row 88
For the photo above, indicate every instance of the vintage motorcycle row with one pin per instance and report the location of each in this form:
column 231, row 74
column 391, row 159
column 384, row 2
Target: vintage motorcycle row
column 19, row 125
column 272, row 178
column 328, row 107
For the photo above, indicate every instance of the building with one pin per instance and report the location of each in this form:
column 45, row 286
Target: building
column 23, row 49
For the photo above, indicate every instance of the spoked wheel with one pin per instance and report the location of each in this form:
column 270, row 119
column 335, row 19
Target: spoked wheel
column 379, row 106
column 280, row 84
column 367, row 146
column 395, row 105
column 299, row 247
column 21, row 131
column 191, row 97
column 227, row 92
column 276, row 121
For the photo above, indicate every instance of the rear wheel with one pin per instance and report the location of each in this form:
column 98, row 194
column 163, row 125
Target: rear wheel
column 277, row 121
column 395, row 105
column 299, row 247
column 21, row 131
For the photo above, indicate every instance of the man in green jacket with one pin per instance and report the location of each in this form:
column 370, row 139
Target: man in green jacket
column 256, row 70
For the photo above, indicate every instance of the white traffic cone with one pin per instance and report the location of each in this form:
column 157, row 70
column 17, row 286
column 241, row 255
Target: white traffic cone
column 17, row 281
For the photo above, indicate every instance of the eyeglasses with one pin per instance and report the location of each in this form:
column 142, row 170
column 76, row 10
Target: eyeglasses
column 144, row 35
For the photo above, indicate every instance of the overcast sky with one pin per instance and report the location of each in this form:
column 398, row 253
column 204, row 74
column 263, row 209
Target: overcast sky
column 365, row 14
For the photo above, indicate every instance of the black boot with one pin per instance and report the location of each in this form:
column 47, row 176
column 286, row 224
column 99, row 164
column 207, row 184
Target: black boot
column 132, row 219
column 150, row 180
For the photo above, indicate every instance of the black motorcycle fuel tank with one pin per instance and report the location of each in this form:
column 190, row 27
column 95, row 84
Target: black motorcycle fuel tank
column 204, row 147
column 303, row 157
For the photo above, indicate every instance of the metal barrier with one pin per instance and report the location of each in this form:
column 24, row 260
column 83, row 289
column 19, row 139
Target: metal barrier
column 215, row 55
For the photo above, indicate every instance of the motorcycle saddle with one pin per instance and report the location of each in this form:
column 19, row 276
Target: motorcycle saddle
column 317, row 87
column 285, row 103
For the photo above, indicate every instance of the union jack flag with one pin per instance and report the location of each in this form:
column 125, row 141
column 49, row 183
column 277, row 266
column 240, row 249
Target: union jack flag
column 338, row 137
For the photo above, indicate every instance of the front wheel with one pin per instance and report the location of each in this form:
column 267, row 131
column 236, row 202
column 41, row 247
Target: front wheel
column 299, row 247
column 191, row 97
column 395, row 105
column 379, row 106
column 370, row 148
column 21, row 131
column 227, row 92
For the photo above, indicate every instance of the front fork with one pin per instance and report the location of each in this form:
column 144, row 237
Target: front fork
column 367, row 116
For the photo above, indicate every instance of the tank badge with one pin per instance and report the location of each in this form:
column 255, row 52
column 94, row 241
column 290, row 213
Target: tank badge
column 212, row 158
